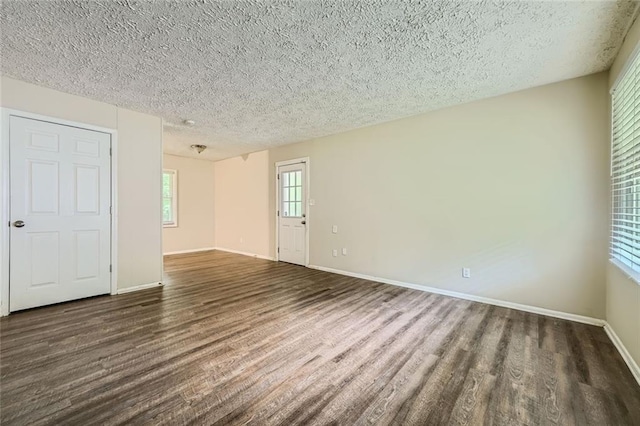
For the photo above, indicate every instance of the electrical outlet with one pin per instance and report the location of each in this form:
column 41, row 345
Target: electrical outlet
column 466, row 273
column 344, row 251
column 334, row 229
column 335, row 253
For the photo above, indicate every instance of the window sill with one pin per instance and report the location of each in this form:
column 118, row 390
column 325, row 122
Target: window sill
column 630, row 273
column 170, row 225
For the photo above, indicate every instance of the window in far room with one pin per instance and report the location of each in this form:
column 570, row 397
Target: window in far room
column 169, row 198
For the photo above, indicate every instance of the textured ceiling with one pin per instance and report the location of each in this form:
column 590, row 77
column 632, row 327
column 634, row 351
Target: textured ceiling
column 256, row 74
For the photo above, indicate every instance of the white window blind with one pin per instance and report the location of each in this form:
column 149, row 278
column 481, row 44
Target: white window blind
column 625, row 168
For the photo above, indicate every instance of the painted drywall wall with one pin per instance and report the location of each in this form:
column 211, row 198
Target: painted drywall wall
column 139, row 198
column 139, row 171
column 623, row 309
column 242, row 204
column 622, row 292
column 195, row 228
column 513, row 187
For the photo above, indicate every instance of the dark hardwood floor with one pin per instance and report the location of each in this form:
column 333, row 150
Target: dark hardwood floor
column 235, row 340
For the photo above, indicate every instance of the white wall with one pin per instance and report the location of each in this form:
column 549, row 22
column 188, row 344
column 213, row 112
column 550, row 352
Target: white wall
column 195, row 228
column 139, row 171
column 623, row 293
column 242, row 204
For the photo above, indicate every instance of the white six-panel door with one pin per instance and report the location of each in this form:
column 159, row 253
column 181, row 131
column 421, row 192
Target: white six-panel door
column 292, row 217
column 60, row 213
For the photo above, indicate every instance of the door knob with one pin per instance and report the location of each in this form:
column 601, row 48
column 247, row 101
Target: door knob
column 304, row 222
column 18, row 224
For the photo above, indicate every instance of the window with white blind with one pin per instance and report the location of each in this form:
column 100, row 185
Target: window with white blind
column 625, row 168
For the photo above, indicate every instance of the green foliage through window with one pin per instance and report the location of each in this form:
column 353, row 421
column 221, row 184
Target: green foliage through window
column 168, row 198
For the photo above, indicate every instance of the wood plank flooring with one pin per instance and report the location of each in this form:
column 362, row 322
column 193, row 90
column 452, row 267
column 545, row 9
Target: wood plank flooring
column 235, row 340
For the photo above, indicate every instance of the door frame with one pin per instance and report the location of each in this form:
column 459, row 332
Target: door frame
column 6, row 114
column 307, row 210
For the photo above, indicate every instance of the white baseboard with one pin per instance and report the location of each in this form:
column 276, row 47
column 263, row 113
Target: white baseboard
column 188, row 251
column 138, row 287
column 489, row 301
column 628, row 359
column 244, row 253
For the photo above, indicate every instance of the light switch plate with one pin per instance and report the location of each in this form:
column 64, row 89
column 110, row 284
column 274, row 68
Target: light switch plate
column 344, row 251
column 335, row 253
column 466, row 273
column 334, row 229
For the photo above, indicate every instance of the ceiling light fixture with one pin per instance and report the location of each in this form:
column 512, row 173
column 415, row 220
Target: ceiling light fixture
column 188, row 122
column 199, row 148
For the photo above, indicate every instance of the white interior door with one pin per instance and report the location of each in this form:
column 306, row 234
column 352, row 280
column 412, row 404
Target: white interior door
column 292, row 214
column 60, row 243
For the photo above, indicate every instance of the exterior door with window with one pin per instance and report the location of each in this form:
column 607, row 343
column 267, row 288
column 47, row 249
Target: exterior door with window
column 292, row 214
column 60, row 239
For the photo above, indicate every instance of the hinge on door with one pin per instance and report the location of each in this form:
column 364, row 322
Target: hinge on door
column 277, row 213
column 110, row 268
column 278, row 175
column 111, row 210
column 278, row 249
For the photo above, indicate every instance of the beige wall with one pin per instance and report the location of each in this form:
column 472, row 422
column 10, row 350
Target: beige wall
column 623, row 293
column 139, row 157
column 139, row 198
column 623, row 309
column 242, row 203
column 195, row 228
column 514, row 187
